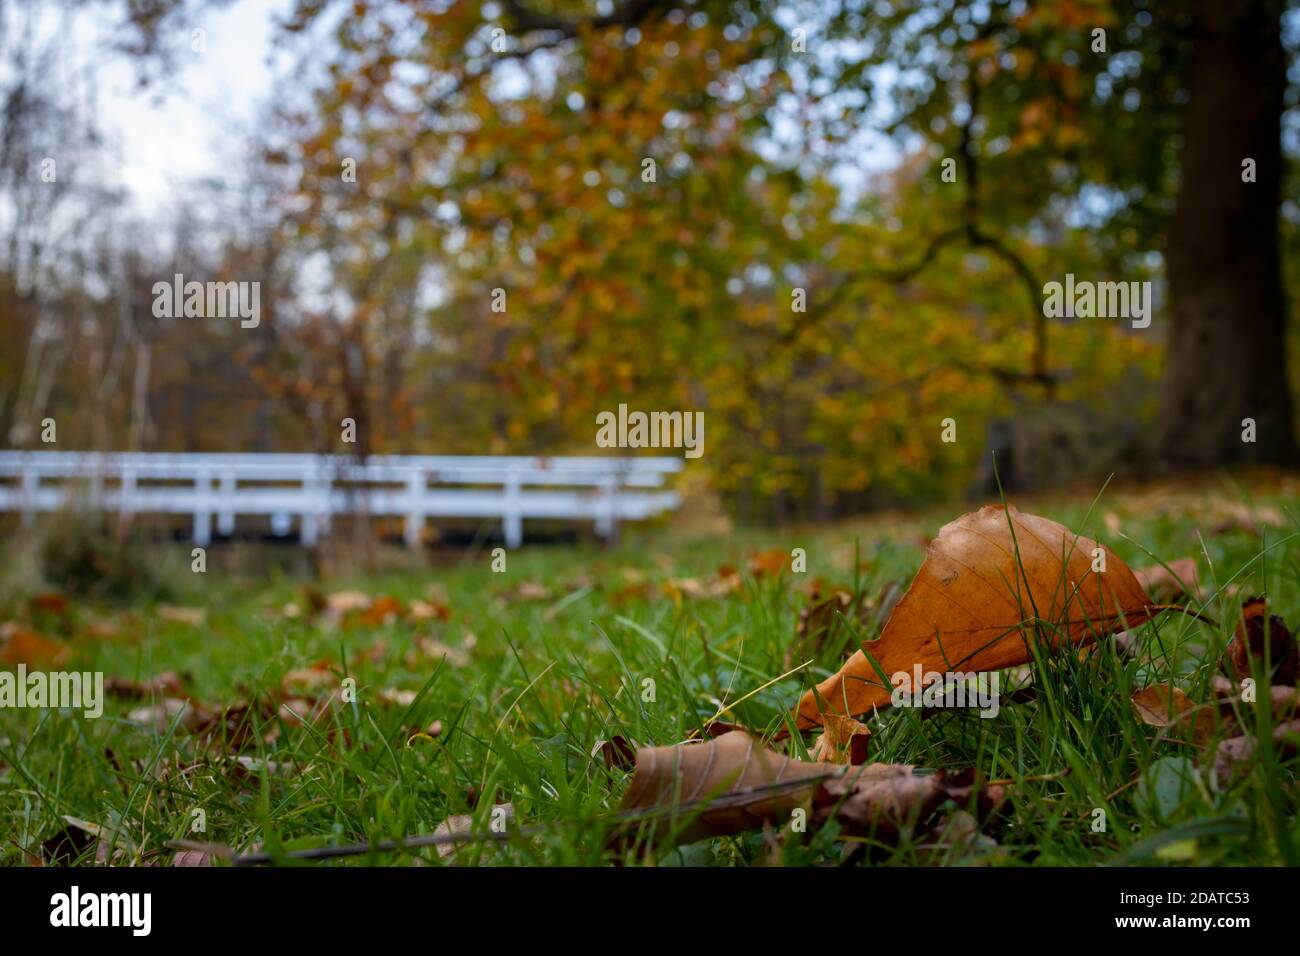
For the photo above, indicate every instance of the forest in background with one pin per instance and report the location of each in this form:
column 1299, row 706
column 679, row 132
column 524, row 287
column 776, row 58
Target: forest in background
column 665, row 203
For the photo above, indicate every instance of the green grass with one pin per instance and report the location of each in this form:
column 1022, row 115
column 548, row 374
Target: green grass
column 546, row 679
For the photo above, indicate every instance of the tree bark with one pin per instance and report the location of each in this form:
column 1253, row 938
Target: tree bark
column 1226, row 358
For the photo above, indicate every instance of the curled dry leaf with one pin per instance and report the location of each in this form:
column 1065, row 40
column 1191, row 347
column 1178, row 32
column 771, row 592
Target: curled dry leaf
column 694, row 791
column 979, row 583
column 842, row 740
column 1261, row 637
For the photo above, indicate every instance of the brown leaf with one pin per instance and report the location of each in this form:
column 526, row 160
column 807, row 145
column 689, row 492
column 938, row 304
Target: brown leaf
column 429, row 610
column 1237, row 516
column 193, row 616
column 842, row 740
column 616, row 752
column 382, row 610
column 462, row 825
column 1165, row 705
column 884, row 801
column 50, row 602
column 315, row 677
column 964, row 608
column 159, row 716
column 694, row 791
column 344, row 602
column 818, row 621
column 166, row 684
column 1257, row 630
column 189, row 858
column 771, row 562
column 530, row 591
column 1165, row 584
column 68, row 845
column 434, row 649
column 727, row 582
column 723, row 786
column 1233, row 754
column 18, row 645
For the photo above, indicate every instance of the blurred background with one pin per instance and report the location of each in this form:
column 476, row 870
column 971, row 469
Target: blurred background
column 826, row 225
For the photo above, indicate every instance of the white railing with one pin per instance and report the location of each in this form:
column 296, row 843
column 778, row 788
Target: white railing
column 313, row 488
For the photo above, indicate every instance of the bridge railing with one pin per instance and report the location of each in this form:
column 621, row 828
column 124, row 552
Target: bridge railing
column 218, row 488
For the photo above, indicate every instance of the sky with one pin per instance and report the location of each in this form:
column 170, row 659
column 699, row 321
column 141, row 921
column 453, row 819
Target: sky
column 186, row 127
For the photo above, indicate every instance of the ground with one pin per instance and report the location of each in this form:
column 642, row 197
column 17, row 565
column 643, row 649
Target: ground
column 476, row 688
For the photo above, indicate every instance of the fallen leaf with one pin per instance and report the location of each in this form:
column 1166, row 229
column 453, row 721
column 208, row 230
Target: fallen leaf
column 50, row 602
column 344, row 602
column 694, row 791
column 462, row 825
column 1257, row 631
column 68, row 845
column 189, row 858
column 1165, row 584
column 159, row 716
column 1233, row 754
column 19, row 645
column 382, row 610
column 398, row 696
column 617, row 753
column 964, row 610
column 1237, row 516
column 530, row 591
column 434, row 649
column 883, row 801
column 719, row 787
column 429, row 610
column 193, row 616
column 319, row 675
column 842, row 740
column 818, row 620
column 727, row 582
column 959, row 834
column 771, row 562
column 1165, row 705
column 166, row 684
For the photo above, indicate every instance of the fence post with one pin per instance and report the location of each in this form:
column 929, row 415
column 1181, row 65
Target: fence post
column 202, row 508
column 512, row 519
column 226, row 518
column 311, row 509
column 607, row 518
column 31, row 484
column 414, row 508
column 126, row 491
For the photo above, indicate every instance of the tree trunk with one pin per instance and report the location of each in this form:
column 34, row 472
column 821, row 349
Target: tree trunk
column 1226, row 357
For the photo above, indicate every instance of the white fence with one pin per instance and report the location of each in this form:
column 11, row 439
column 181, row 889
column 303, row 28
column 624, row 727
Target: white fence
column 313, row 488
